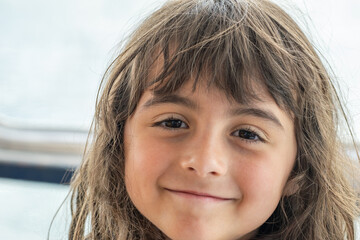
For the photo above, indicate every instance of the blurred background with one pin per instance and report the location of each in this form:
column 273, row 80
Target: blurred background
column 52, row 57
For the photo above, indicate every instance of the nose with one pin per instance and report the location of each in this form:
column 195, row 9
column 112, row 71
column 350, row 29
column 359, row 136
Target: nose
column 206, row 156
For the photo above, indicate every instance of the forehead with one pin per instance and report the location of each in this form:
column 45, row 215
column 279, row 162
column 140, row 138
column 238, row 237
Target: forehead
column 193, row 94
column 196, row 93
column 202, row 88
column 215, row 104
column 164, row 79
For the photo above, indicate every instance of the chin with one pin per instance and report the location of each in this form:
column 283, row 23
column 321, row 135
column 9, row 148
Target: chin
column 184, row 232
column 186, row 235
column 204, row 233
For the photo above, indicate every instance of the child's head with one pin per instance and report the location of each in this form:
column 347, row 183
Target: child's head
column 217, row 121
column 201, row 166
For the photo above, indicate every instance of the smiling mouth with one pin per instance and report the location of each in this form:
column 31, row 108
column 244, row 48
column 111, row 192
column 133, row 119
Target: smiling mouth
column 197, row 195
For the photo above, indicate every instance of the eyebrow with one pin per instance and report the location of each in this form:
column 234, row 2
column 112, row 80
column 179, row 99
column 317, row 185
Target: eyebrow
column 188, row 103
column 260, row 113
column 175, row 99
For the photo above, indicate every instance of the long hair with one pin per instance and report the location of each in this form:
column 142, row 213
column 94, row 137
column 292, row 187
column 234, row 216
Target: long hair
column 234, row 40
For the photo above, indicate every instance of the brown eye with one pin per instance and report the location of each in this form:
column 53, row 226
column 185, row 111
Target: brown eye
column 172, row 124
column 247, row 134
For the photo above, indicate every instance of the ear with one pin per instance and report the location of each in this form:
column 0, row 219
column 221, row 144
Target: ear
column 291, row 187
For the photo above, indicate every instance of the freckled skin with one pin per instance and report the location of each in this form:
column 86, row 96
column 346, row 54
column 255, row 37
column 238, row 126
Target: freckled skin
column 205, row 179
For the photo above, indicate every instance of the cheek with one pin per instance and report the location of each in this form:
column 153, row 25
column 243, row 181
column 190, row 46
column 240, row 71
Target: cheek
column 146, row 155
column 262, row 178
column 146, row 160
column 256, row 181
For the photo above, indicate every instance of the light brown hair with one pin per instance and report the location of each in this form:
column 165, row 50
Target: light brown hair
column 234, row 40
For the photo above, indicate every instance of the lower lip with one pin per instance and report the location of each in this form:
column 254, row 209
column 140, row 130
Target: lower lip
column 195, row 197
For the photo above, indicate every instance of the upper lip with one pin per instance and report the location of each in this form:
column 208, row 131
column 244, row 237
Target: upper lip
column 200, row 194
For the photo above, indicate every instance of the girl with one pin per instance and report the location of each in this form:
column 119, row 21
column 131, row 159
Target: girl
column 216, row 121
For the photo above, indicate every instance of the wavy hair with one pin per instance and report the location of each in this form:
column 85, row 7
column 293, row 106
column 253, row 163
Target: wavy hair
column 233, row 40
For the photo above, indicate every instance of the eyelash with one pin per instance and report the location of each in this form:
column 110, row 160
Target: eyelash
column 252, row 132
column 169, row 120
column 245, row 130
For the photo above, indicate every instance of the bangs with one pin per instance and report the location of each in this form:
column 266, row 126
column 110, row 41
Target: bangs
column 237, row 46
column 206, row 42
column 211, row 64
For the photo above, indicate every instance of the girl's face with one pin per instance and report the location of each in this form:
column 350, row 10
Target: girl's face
column 200, row 166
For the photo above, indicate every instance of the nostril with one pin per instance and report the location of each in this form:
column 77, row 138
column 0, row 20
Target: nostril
column 191, row 168
column 203, row 166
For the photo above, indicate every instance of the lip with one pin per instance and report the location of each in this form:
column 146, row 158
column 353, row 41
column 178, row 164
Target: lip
column 198, row 195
